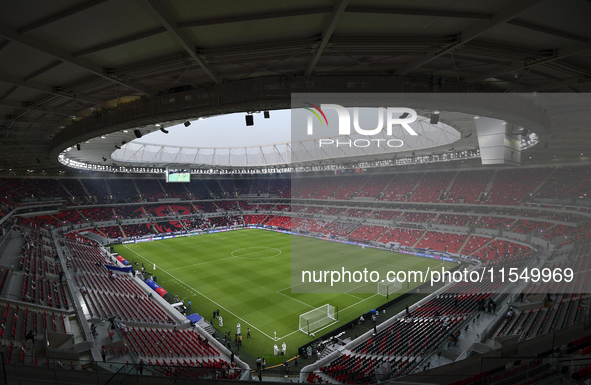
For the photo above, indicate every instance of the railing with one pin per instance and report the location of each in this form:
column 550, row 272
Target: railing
column 120, row 373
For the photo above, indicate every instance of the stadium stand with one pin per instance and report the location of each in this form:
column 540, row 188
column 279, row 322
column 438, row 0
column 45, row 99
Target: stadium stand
column 349, row 187
column 468, row 186
column 450, row 243
column 150, row 189
column 456, row 220
column 431, row 186
column 76, row 190
column 495, row 222
column 524, row 226
column 107, row 297
column 510, row 187
column 474, row 243
column 128, row 212
column 400, row 187
column 50, row 188
column 418, row 217
column 176, row 191
column 386, row 214
column 21, row 189
column 563, row 183
column 97, row 188
column 305, row 187
column 404, row 236
column 182, row 208
column 123, row 190
column 132, row 231
column 373, row 186
column 97, row 214
column 367, row 233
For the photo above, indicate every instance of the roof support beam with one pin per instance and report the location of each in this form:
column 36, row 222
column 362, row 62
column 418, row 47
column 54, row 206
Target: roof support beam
column 43, row 70
column 117, row 42
column 60, row 15
column 254, row 17
column 165, row 18
column 202, row 23
column 546, row 30
column 31, row 84
column 8, row 93
column 560, row 53
column 557, row 84
column 43, row 122
column 25, row 106
column 49, row 49
column 418, row 12
column 461, row 15
column 471, row 33
column 4, row 44
column 337, row 12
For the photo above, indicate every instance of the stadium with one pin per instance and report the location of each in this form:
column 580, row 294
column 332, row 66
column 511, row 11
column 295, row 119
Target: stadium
column 343, row 192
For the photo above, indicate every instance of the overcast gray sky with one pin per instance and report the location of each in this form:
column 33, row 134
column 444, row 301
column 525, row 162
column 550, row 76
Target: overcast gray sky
column 227, row 131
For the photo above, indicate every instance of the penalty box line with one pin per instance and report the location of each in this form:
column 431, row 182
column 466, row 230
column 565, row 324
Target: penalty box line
column 285, row 295
column 204, row 296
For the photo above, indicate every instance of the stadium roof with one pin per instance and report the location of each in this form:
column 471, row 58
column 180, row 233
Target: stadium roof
column 63, row 61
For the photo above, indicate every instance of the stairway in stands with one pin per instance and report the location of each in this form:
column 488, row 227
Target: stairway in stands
column 420, row 238
column 206, row 326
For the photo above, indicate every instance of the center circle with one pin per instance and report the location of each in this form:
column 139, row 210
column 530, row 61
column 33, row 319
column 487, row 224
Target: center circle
column 256, row 252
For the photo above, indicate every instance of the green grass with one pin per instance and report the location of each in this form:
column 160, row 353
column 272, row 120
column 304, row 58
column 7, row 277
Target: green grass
column 246, row 274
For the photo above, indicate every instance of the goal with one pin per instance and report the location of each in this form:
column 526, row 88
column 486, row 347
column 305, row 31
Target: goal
column 318, row 319
column 386, row 288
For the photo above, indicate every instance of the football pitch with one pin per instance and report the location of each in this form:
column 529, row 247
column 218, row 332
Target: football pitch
column 246, row 274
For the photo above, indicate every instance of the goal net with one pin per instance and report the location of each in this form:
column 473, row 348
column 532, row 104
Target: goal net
column 386, row 288
column 317, row 319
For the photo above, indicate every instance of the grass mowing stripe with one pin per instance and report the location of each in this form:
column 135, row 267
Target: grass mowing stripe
column 203, row 295
column 303, row 303
column 254, row 289
column 200, row 263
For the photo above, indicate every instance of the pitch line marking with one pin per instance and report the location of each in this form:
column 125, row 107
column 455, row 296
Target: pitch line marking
column 357, row 303
column 240, row 318
column 200, row 263
column 223, row 259
column 287, row 335
column 354, row 296
column 196, row 292
column 255, row 252
column 204, row 296
column 290, row 287
column 357, row 287
column 297, row 300
column 389, row 264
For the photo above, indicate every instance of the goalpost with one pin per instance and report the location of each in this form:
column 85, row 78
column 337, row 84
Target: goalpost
column 318, row 319
column 386, row 288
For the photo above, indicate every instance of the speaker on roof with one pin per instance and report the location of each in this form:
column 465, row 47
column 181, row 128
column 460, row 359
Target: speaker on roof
column 434, row 117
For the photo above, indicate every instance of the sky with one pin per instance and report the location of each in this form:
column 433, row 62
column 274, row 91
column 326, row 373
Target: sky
column 227, row 131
